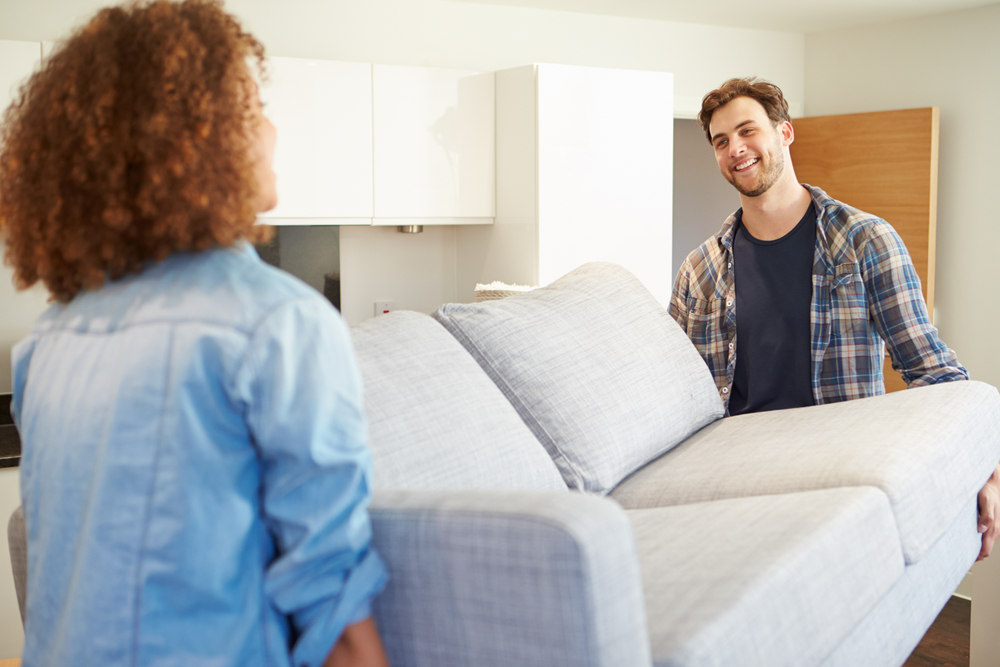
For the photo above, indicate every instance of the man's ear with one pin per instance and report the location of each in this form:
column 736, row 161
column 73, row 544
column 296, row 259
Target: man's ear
column 787, row 133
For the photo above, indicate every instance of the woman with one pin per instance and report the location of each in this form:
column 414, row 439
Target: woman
column 194, row 473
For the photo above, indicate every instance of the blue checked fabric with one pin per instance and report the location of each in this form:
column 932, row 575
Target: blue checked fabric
column 866, row 295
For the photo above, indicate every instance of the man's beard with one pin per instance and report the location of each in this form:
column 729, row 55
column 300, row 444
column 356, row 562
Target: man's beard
column 770, row 173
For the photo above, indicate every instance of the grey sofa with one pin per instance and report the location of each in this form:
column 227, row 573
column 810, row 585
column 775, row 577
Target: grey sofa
column 555, row 486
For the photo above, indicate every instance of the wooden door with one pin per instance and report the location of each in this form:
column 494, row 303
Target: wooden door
column 884, row 163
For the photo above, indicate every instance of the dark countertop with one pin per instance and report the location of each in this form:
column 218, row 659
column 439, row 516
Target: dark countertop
column 10, row 447
column 10, row 443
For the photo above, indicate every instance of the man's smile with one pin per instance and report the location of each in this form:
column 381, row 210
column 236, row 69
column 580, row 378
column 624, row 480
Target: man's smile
column 746, row 164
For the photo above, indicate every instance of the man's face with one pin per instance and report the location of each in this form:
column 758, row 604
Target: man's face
column 749, row 149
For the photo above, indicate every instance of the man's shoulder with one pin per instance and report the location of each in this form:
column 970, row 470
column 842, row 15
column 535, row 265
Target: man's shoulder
column 846, row 226
column 838, row 215
column 712, row 251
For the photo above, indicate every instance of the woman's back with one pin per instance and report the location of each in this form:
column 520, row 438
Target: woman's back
column 160, row 450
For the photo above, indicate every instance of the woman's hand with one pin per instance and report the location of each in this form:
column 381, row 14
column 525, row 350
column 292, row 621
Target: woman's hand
column 359, row 646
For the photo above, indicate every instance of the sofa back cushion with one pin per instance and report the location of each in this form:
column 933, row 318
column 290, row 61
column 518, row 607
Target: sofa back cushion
column 598, row 370
column 436, row 421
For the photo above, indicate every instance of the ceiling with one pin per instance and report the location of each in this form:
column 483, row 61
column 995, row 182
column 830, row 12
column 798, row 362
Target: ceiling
column 51, row 19
column 804, row 16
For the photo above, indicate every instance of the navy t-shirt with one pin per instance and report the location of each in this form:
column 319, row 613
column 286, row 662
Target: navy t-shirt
column 773, row 334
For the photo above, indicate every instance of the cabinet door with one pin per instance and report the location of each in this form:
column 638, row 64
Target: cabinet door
column 434, row 143
column 20, row 309
column 323, row 157
column 605, row 172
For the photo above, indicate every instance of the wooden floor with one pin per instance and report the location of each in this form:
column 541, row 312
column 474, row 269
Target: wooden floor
column 946, row 643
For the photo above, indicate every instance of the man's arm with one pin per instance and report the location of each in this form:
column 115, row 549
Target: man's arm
column 678, row 297
column 899, row 312
column 989, row 513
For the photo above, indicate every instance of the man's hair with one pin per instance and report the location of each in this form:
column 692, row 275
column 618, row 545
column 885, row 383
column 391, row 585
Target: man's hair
column 133, row 141
column 767, row 94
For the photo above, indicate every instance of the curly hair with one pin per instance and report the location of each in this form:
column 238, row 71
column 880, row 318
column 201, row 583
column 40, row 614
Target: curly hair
column 767, row 94
column 133, row 141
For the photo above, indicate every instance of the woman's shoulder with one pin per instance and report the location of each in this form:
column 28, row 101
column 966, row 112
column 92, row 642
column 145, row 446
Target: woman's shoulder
column 230, row 288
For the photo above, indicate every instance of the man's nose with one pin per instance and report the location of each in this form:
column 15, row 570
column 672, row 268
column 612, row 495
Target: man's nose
column 736, row 147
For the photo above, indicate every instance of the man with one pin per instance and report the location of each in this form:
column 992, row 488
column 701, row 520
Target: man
column 822, row 287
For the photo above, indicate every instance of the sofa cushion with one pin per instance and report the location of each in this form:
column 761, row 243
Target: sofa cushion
column 598, row 370
column 436, row 421
column 764, row 581
column 929, row 449
column 898, row 622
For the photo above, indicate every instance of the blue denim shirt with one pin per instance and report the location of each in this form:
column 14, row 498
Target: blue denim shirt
column 195, row 471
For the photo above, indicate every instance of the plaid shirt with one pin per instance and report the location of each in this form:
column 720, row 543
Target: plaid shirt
column 865, row 291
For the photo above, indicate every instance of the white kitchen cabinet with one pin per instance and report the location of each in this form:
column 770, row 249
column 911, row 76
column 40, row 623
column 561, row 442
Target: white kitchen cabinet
column 584, row 173
column 322, row 110
column 434, row 146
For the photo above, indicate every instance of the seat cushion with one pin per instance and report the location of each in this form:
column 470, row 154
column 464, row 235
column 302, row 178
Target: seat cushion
column 436, row 420
column 598, row 370
column 764, row 581
column 929, row 449
column 898, row 622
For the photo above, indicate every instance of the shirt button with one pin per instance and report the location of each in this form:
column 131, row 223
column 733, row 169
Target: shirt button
column 730, row 265
column 730, row 346
column 725, row 390
column 729, row 303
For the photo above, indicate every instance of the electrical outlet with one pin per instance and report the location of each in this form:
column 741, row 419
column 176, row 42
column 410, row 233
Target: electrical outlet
column 383, row 307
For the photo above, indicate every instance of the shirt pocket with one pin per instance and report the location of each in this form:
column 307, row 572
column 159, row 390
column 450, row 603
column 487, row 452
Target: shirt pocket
column 849, row 301
column 707, row 324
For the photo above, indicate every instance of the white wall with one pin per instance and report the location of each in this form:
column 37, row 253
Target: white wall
column 414, row 271
column 951, row 61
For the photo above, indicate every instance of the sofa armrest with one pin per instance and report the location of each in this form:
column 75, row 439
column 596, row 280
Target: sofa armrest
column 508, row 578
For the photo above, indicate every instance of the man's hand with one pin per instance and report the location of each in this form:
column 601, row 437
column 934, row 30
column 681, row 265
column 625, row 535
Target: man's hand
column 359, row 646
column 989, row 513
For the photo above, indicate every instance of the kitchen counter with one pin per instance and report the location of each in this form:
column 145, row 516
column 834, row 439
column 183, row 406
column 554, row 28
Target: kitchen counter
column 10, row 447
column 10, row 443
